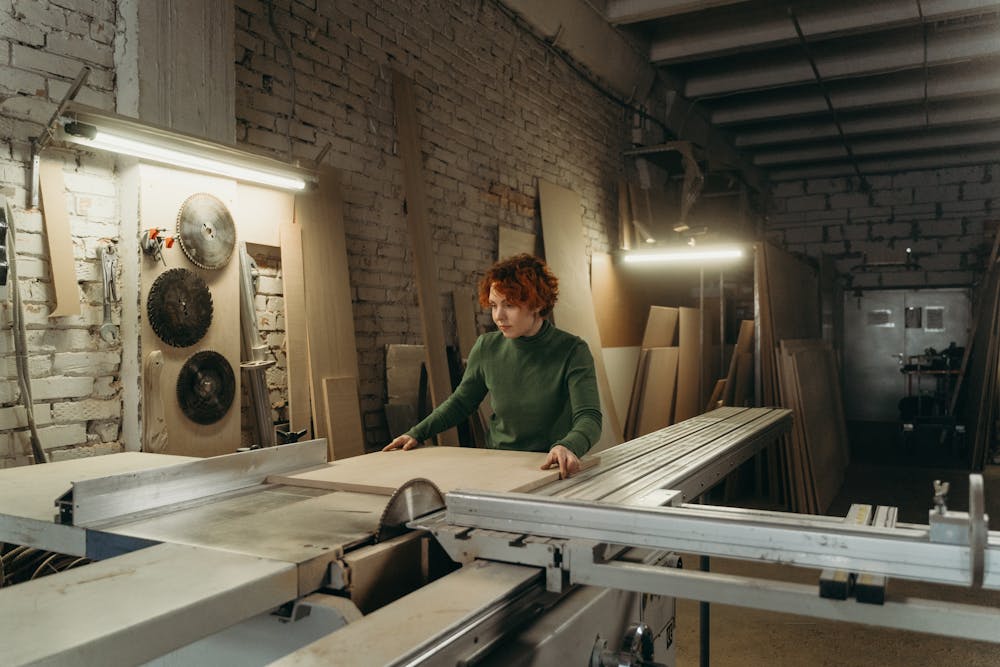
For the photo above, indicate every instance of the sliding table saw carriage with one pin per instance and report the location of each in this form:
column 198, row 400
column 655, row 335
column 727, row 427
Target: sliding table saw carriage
column 253, row 557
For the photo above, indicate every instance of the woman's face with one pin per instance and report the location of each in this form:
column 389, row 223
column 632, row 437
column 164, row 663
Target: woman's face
column 513, row 321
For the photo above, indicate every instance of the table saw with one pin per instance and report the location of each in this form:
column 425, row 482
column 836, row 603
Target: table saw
column 202, row 561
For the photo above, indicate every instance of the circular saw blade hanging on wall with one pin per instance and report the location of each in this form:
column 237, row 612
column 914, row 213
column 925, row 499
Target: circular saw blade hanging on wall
column 206, row 231
column 179, row 307
column 206, row 386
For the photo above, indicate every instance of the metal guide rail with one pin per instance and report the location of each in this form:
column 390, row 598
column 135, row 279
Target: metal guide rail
column 576, row 540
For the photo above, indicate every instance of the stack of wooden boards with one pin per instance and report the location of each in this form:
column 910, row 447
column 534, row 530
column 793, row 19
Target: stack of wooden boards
column 669, row 384
column 801, row 372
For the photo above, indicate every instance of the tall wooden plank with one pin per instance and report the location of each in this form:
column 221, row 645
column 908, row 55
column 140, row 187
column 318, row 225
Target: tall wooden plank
column 59, row 239
column 658, row 395
column 661, row 327
column 296, row 352
column 562, row 235
column 333, row 351
column 464, row 302
column 428, row 291
column 689, row 394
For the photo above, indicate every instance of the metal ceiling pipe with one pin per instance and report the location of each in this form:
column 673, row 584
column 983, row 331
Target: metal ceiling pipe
column 935, row 160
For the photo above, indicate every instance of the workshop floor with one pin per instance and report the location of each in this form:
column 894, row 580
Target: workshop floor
column 883, row 472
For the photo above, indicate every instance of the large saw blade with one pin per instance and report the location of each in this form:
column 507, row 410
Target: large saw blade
column 206, row 231
column 206, row 386
column 179, row 307
column 414, row 499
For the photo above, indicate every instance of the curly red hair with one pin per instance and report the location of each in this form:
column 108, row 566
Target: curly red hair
column 524, row 280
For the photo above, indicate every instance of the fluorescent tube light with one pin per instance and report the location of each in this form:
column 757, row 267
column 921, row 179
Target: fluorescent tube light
column 683, row 255
column 117, row 134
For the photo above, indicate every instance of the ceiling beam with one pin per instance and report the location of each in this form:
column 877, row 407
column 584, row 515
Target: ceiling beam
column 946, row 81
column 900, row 50
column 966, row 156
column 688, row 39
column 945, row 140
column 622, row 12
column 914, row 117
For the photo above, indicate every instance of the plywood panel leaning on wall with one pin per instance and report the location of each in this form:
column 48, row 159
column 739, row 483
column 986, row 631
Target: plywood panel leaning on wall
column 512, row 242
column 333, row 351
column 293, row 289
column 562, row 235
column 60, row 242
column 689, row 364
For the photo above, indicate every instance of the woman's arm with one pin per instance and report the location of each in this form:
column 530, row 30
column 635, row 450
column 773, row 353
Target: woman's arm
column 585, row 402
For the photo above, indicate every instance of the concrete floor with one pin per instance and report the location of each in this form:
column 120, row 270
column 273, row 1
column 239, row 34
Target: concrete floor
column 880, row 475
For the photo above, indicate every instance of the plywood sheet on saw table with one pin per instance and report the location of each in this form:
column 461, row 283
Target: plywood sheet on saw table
column 163, row 191
column 448, row 467
column 566, row 254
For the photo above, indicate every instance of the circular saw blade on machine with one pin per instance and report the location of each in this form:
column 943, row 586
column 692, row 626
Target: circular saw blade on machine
column 179, row 307
column 206, row 231
column 414, row 499
column 206, row 386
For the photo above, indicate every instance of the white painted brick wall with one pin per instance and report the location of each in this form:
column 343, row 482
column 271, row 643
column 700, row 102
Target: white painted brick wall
column 939, row 214
column 44, row 45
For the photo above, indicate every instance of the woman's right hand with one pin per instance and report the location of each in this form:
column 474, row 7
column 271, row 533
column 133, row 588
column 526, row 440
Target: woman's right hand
column 403, row 442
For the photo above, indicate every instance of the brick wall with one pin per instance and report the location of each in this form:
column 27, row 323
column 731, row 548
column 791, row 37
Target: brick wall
column 945, row 217
column 497, row 110
column 74, row 373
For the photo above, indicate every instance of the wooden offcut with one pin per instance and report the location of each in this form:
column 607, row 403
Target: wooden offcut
column 345, row 433
column 59, row 239
column 449, row 468
column 425, row 268
column 659, row 387
column 562, row 234
column 154, row 424
column 333, row 351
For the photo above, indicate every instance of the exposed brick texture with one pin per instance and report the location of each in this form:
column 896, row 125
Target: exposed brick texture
column 938, row 214
column 496, row 112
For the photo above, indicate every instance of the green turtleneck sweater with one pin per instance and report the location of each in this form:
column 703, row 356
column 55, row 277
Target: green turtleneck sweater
column 543, row 389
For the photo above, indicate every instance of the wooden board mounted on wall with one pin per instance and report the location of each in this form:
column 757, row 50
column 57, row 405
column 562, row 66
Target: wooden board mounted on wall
column 59, row 239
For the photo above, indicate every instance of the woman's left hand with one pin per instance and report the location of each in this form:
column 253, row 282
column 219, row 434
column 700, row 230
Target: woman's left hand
column 567, row 461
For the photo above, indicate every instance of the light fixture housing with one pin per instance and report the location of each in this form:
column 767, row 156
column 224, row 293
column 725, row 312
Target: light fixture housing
column 93, row 128
column 686, row 254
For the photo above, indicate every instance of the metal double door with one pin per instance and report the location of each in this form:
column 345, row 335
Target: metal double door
column 882, row 329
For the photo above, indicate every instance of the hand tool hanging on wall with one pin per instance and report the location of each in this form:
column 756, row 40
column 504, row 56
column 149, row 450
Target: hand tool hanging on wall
column 206, row 231
column 179, row 307
column 109, row 267
column 152, row 241
column 255, row 363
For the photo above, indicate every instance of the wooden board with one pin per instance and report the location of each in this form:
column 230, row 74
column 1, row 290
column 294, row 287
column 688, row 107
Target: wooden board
column 562, row 233
column 465, row 305
column 425, row 268
column 661, row 327
column 296, row 330
column 512, row 242
column 263, row 211
column 402, row 374
column 621, row 364
column 59, row 239
column 689, row 400
column 744, row 345
column 345, row 434
column 658, row 394
column 619, row 320
column 635, row 399
column 154, row 424
column 449, row 468
column 162, row 193
column 333, row 351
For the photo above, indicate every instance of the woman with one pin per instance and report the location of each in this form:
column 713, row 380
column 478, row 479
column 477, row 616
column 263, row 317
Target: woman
column 541, row 380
